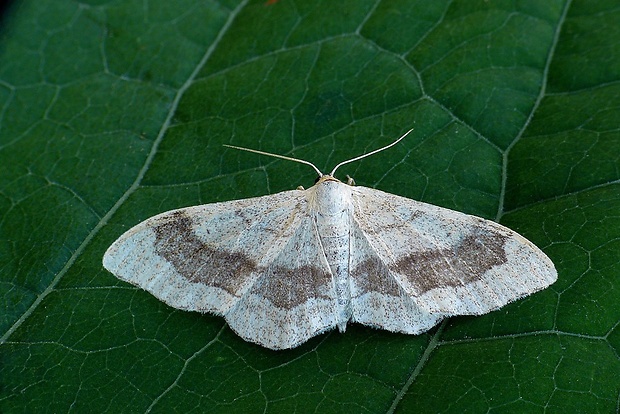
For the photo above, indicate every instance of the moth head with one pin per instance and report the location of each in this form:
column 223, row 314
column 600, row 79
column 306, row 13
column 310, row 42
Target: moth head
column 329, row 196
column 325, row 177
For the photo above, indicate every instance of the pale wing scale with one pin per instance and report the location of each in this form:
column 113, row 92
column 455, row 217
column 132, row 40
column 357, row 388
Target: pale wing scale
column 293, row 298
column 449, row 263
column 230, row 258
column 378, row 300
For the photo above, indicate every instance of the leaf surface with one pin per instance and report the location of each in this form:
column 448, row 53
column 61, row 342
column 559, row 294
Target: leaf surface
column 113, row 111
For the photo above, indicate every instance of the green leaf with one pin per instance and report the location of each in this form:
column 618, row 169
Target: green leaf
column 113, row 111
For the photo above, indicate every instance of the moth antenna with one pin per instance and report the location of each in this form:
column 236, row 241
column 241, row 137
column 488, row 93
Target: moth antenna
column 369, row 153
column 277, row 156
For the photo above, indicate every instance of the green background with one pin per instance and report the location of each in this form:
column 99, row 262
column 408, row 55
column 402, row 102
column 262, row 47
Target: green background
column 112, row 111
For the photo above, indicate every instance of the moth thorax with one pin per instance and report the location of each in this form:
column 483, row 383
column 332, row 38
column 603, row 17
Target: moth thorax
column 332, row 198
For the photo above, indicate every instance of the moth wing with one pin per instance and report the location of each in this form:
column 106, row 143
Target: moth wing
column 256, row 261
column 377, row 297
column 446, row 262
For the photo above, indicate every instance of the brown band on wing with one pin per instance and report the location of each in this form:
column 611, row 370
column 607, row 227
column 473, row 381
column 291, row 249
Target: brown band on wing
column 372, row 275
column 176, row 242
column 459, row 265
column 287, row 288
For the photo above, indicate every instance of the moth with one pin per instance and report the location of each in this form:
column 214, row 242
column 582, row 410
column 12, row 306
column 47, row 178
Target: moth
column 285, row 267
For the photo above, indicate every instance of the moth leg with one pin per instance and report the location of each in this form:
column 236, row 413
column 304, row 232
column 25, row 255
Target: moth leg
column 350, row 180
column 301, row 187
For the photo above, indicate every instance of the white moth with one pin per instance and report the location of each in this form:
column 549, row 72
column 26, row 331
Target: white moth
column 283, row 268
